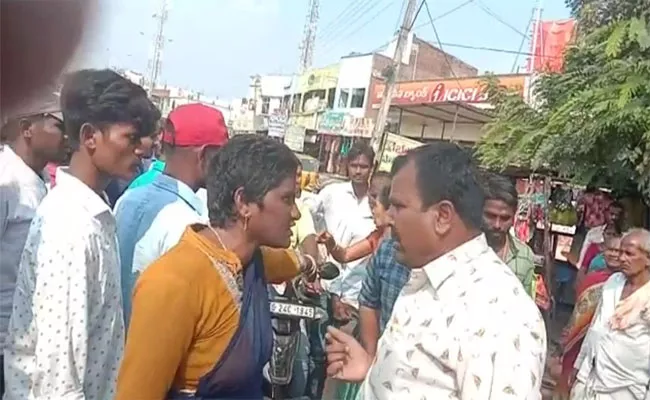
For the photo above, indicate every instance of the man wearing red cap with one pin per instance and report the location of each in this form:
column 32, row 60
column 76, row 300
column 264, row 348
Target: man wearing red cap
column 152, row 218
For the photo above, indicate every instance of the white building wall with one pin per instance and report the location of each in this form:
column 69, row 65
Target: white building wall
column 354, row 73
column 275, row 85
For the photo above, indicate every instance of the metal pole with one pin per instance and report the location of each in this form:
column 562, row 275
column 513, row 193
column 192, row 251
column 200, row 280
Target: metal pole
column 379, row 132
column 536, row 38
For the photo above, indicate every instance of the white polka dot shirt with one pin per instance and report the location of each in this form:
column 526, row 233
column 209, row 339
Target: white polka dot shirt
column 66, row 332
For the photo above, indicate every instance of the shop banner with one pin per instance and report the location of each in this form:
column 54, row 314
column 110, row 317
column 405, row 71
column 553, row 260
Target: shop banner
column 332, row 122
column 552, row 39
column 394, row 146
column 463, row 90
column 277, row 125
column 294, row 138
column 343, row 124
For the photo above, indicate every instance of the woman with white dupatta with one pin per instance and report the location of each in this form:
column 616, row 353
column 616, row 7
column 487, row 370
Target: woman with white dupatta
column 615, row 363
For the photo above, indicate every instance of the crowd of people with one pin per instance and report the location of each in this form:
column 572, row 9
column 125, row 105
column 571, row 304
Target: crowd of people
column 142, row 267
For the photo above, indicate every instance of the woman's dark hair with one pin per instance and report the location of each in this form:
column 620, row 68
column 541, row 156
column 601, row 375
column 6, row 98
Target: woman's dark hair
column 257, row 164
column 361, row 149
column 104, row 98
column 383, row 179
column 499, row 187
column 444, row 171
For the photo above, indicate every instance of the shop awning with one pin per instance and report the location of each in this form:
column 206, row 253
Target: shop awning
column 447, row 112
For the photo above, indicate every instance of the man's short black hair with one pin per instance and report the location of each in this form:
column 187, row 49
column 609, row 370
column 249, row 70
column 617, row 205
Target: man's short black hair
column 258, row 164
column 361, row 149
column 499, row 187
column 103, row 98
column 11, row 129
column 398, row 163
column 444, row 171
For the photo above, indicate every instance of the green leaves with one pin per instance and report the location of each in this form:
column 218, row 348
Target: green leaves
column 592, row 121
column 638, row 31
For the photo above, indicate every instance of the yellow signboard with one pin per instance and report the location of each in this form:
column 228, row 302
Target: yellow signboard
column 319, row 79
column 394, row 146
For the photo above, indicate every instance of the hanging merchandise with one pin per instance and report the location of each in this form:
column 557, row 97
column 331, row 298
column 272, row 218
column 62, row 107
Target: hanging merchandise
column 562, row 210
column 522, row 223
column 592, row 207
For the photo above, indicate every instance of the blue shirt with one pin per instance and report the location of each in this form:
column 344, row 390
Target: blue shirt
column 597, row 263
column 117, row 186
column 385, row 279
column 156, row 168
column 150, row 221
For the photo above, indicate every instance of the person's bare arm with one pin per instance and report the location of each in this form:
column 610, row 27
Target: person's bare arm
column 310, row 247
column 369, row 335
column 358, row 250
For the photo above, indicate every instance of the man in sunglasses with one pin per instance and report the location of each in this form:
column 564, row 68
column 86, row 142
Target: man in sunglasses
column 30, row 139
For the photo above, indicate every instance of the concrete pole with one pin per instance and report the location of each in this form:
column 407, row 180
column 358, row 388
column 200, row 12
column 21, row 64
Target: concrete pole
column 379, row 132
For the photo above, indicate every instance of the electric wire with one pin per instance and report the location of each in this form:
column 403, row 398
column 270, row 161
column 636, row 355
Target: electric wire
column 496, row 16
column 346, row 10
column 326, row 49
column 444, row 14
column 399, row 17
column 523, row 41
column 349, row 20
column 440, row 45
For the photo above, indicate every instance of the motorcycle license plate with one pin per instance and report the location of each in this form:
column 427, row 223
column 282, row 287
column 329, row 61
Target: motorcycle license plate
column 292, row 310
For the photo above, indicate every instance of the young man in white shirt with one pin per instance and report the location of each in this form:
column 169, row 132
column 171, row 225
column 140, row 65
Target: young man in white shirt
column 346, row 212
column 462, row 327
column 66, row 332
column 29, row 140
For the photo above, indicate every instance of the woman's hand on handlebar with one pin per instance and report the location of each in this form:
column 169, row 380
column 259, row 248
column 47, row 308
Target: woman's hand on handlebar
column 326, row 239
column 314, row 288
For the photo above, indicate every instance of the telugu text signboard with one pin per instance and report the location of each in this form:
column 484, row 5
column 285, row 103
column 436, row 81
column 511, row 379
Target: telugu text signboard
column 394, row 146
column 343, row 124
column 277, row 125
column 464, row 90
column 294, row 138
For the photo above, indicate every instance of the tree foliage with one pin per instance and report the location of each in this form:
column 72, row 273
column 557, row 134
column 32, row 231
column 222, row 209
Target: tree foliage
column 592, row 121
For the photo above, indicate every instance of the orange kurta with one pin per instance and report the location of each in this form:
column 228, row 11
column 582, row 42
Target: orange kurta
column 185, row 315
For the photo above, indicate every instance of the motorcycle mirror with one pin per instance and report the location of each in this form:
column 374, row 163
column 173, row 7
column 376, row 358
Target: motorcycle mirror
column 329, row 271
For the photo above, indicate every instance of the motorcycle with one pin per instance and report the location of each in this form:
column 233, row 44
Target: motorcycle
column 287, row 311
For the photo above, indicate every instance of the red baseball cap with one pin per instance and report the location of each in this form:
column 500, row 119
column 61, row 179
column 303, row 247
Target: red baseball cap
column 196, row 125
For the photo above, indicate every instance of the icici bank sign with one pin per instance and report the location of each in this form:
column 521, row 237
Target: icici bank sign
column 464, row 90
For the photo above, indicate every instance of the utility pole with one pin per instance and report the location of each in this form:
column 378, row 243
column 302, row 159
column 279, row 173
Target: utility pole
column 537, row 32
column 306, row 46
column 309, row 37
column 155, row 63
column 379, row 133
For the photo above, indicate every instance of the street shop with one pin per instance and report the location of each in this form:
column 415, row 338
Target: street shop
column 337, row 132
column 442, row 109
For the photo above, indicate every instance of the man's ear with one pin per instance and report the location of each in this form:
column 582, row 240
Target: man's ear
column 442, row 214
column 87, row 136
column 25, row 128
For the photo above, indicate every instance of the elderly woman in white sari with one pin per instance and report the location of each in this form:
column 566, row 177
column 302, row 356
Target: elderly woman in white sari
column 615, row 363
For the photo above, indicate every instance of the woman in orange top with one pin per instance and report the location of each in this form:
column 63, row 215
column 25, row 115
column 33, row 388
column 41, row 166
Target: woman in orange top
column 378, row 198
column 201, row 324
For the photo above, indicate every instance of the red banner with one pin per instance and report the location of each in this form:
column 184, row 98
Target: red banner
column 464, row 90
column 551, row 39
